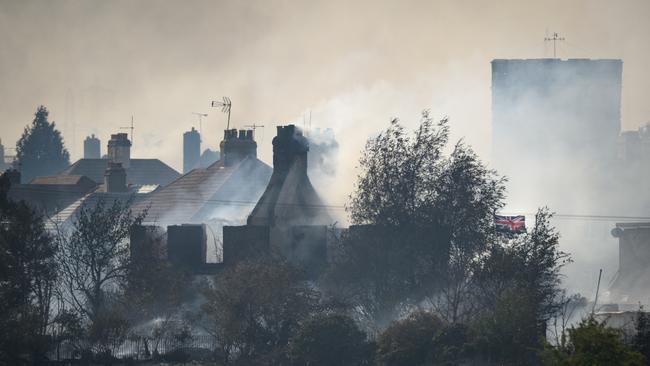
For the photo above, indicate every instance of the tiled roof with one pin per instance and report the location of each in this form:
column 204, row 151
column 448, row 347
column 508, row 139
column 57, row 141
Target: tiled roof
column 215, row 192
column 65, row 216
column 49, row 198
column 64, row 179
column 140, row 171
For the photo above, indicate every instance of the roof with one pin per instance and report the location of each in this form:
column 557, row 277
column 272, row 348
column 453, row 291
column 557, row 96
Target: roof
column 65, row 216
column 64, row 179
column 216, row 192
column 50, row 197
column 140, row 171
column 290, row 199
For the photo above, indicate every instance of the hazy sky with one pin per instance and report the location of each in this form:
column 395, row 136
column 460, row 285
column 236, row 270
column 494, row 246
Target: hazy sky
column 354, row 65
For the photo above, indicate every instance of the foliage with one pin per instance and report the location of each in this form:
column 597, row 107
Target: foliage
column 330, row 339
column 641, row 340
column 409, row 341
column 94, row 261
column 407, row 186
column 40, row 150
column 594, row 344
column 27, row 278
column 518, row 291
column 254, row 308
column 155, row 289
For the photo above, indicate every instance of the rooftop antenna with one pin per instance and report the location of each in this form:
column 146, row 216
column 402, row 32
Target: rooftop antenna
column 200, row 115
column 130, row 128
column 556, row 37
column 225, row 105
column 254, row 126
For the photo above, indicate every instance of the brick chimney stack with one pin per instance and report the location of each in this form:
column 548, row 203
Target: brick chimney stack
column 289, row 147
column 235, row 148
column 119, row 149
column 115, row 178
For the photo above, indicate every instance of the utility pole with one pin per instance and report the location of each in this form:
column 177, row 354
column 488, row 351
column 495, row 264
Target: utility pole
column 556, row 37
column 225, row 105
column 130, row 128
column 200, row 115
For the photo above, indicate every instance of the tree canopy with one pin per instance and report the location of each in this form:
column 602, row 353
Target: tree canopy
column 40, row 150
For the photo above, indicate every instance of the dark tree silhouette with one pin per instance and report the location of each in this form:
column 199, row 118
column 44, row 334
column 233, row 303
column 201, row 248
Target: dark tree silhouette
column 40, row 151
column 27, row 278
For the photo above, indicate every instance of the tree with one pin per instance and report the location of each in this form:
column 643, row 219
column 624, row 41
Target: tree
column 330, row 339
column 427, row 219
column 94, row 259
column 517, row 288
column 28, row 273
column 594, row 344
column 40, row 150
column 155, row 289
column 254, row 308
column 409, row 341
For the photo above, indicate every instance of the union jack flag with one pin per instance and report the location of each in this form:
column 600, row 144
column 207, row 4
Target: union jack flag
column 510, row 224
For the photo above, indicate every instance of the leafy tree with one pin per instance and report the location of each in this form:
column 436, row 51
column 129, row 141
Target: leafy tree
column 428, row 218
column 254, row 308
column 27, row 278
column 155, row 289
column 94, row 261
column 330, row 339
column 518, row 291
column 40, row 150
column 641, row 340
column 594, row 344
column 409, row 341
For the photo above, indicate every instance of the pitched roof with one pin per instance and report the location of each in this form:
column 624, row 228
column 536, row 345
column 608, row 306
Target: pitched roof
column 66, row 215
column 65, row 179
column 216, row 192
column 50, row 194
column 140, row 171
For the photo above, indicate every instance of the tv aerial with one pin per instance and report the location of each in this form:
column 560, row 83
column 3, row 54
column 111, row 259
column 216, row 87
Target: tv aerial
column 200, row 115
column 225, row 105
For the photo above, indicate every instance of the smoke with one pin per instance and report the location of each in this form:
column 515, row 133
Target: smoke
column 354, row 65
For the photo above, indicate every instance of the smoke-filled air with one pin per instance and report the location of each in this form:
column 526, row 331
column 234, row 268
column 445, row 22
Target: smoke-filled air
column 216, row 182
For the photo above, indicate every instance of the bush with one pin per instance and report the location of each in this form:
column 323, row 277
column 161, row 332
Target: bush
column 409, row 341
column 329, row 339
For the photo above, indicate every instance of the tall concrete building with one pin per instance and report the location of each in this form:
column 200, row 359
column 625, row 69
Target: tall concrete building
column 553, row 107
column 92, row 149
column 191, row 150
column 552, row 118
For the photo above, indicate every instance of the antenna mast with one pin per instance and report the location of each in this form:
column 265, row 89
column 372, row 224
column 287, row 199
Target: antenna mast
column 130, row 128
column 200, row 115
column 225, row 105
column 253, row 127
column 556, row 37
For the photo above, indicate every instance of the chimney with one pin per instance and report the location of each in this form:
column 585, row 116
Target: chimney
column 114, row 178
column 235, row 148
column 289, row 198
column 289, row 147
column 92, row 148
column 119, row 149
column 191, row 150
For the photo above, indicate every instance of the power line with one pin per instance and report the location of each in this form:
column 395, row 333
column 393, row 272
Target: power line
column 577, row 217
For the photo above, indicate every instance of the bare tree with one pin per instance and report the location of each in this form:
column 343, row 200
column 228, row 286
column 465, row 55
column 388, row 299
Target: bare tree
column 94, row 260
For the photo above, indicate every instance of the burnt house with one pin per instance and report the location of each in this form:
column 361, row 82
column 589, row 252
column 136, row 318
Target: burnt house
column 289, row 219
column 633, row 276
